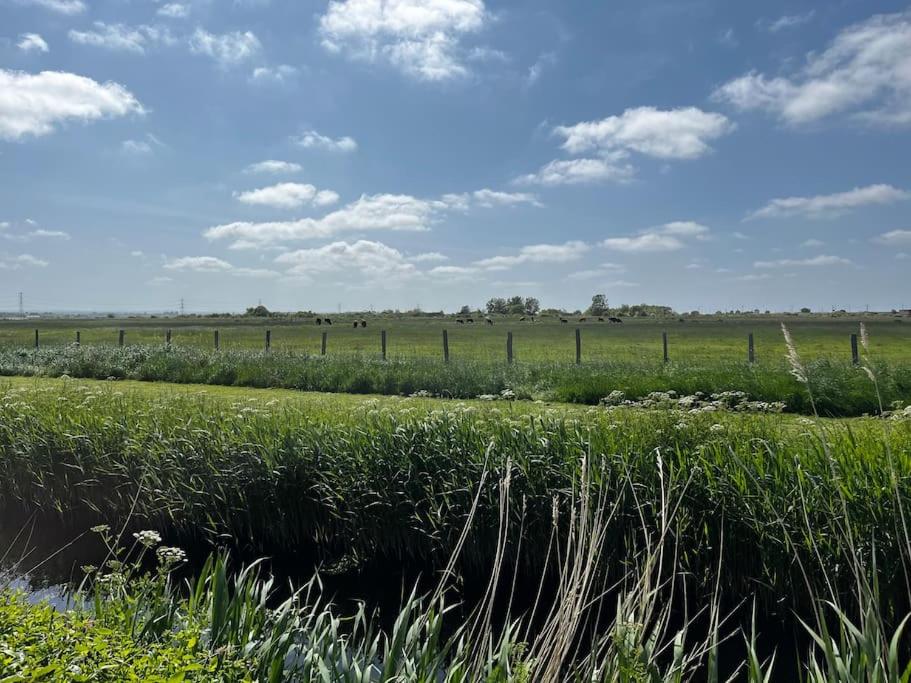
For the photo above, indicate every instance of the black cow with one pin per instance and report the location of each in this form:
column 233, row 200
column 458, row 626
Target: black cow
column 600, row 319
column 363, row 323
column 488, row 321
column 615, row 320
column 355, row 324
column 470, row 320
column 461, row 322
column 319, row 321
column 328, row 321
column 564, row 320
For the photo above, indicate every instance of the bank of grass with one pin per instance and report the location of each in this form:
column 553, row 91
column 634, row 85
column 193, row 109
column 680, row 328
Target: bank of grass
column 839, row 387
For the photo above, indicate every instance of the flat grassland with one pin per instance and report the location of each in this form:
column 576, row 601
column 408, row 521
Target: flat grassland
column 698, row 340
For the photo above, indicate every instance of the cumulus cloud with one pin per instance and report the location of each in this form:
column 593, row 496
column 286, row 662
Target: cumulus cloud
column 40, row 233
column 821, row 260
column 34, row 104
column 227, row 49
column 273, row 166
column 288, row 196
column 421, row 38
column 667, row 237
column 313, row 140
column 664, row 134
column 488, row 199
column 369, row 212
column 273, row 75
column 580, row 172
column 174, row 10
column 537, row 253
column 830, row 205
column 894, row 238
column 366, row 258
column 59, row 6
column 32, row 42
column 21, row 261
column 119, row 37
column 428, row 257
column 865, row 71
column 211, row 264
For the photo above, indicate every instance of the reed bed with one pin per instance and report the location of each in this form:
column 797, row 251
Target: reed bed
column 840, row 388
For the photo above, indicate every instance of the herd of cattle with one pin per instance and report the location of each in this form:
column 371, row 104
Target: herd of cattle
column 489, row 321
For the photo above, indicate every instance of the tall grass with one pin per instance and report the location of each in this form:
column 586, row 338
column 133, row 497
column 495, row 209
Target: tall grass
column 839, row 387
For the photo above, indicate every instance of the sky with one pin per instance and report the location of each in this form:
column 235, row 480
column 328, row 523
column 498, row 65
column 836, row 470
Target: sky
column 382, row 154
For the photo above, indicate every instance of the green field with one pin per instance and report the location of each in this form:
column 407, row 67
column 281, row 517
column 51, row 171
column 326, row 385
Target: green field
column 691, row 339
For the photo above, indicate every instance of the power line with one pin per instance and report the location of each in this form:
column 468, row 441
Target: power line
column 181, row 306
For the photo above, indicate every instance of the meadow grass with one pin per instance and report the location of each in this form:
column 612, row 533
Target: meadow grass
column 703, row 340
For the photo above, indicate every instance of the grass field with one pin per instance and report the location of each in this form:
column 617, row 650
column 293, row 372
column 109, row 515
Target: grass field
column 696, row 340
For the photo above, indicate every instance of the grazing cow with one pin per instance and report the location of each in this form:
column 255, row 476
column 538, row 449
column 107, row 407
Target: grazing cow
column 461, row 322
column 328, row 321
column 319, row 321
column 600, row 319
column 564, row 320
column 470, row 320
column 363, row 323
column 355, row 324
column 488, row 321
column 615, row 320
column 582, row 320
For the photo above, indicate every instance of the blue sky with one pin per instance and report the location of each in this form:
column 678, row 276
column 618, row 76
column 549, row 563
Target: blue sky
column 392, row 153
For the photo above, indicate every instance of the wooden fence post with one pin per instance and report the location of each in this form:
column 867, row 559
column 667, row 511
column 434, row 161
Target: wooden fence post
column 216, row 340
column 509, row 347
column 445, row 346
column 36, row 339
column 664, row 344
column 383, row 343
column 855, row 357
column 578, row 346
column 751, row 353
column 268, row 339
column 322, row 348
column 167, row 336
column 78, row 340
column 120, row 339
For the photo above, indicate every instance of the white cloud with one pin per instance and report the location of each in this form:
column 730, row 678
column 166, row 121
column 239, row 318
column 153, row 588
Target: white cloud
column 21, row 261
column 754, row 277
column 821, row 260
column 813, row 243
column 535, row 70
column 894, row 238
column 453, row 272
column 605, row 270
column 790, row 21
column 174, row 10
column 488, row 199
column 273, row 75
column 36, row 234
column 119, row 37
column 59, row 6
column 33, row 104
column 579, row 172
column 664, row 134
column 32, row 42
column 312, row 140
column 429, row 257
column 273, row 166
column 228, row 49
column 288, row 196
column 830, row 205
column 369, row 212
column 537, row 253
column 136, row 253
column 138, row 147
column 421, row 38
column 160, row 280
column 666, row 237
column 211, row 264
column 365, row 258
column 646, row 242
column 865, row 71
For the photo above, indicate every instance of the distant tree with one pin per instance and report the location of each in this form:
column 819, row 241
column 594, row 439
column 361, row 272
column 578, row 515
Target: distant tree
column 599, row 305
column 497, row 305
column 465, row 310
column 515, row 305
column 258, row 312
column 531, row 306
column 805, row 310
